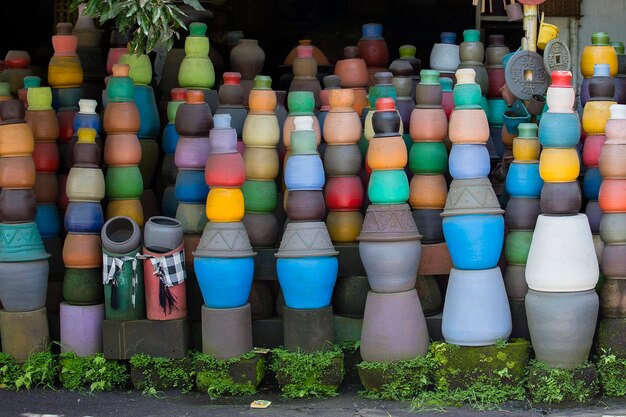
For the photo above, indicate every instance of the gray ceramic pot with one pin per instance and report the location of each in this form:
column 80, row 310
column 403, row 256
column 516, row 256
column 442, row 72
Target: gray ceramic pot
column 306, row 239
column 562, row 325
column 476, row 311
column 613, row 262
column 162, row 234
column 515, row 282
column 120, row 234
column 23, row 285
column 521, row 213
column 342, row 160
column 394, row 327
column 308, row 330
column 391, row 266
column 226, row 332
column 613, row 228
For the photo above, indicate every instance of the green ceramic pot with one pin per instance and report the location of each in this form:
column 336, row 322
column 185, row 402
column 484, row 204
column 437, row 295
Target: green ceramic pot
column 192, row 217
column 39, row 98
column 120, row 89
column 262, row 82
column 471, row 35
column 429, row 77
column 467, row 96
column 388, row 187
column 300, row 103
column 428, row 158
column 140, row 68
column 196, row 69
column 259, row 196
column 83, row 286
column 303, row 142
column 123, row 182
column 124, row 308
column 517, row 245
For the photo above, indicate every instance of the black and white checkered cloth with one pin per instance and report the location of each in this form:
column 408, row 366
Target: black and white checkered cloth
column 169, row 269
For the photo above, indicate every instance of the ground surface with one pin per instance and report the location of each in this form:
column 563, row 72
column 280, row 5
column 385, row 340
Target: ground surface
column 39, row 403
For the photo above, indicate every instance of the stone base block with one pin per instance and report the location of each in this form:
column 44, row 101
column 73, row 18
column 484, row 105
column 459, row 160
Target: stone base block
column 265, row 264
column 168, row 375
column 381, row 379
column 268, row 333
column 346, row 329
column 308, row 330
column 242, row 376
column 123, row 339
column 611, row 335
column 557, row 385
column 311, row 377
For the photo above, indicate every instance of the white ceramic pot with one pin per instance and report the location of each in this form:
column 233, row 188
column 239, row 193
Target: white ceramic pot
column 562, row 256
column 561, row 100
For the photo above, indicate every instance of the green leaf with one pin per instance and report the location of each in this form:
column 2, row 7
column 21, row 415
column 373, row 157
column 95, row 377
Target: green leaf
column 194, row 4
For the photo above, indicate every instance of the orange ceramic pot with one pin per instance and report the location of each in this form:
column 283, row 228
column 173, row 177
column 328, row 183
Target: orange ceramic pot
column 43, row 124
column 82, row 251
column 353, row 72
column 224, row 205
column 468, row 126
column 344, row 226
column 46, row 188
column 121, row 118
column 289, row 127
column 16, row 140
column 428, row 192
column 612, row 196
column 18, row 172
column 428, row 125
column 46, row 157
column 122, row 149
column 342, row 128
column 262, row 101
column 360, row 100
column 261, row 163
column 612, row 159
column 387, row 153
column 129, row 208
column 341, row 99
column 595, row 116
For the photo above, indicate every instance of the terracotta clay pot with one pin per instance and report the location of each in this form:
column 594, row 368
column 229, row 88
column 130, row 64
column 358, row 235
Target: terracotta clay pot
column 121, row 118
column 153, row 287
column 82, row 251
column 468, row 126
column 17, row 140
column 428, row 125
column 43, row 124
column 46, row 188
column 17, row 172
column 122, row 150
column 428, row 192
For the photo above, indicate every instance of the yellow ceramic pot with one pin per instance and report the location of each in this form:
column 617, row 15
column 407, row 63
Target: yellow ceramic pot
column 559, row 165
column 428, row 192
column 261, row 163
column 261, row 131
column 387, row 153
column 65, row 72
column 525, row 149
column 16, row 140
column 595, row 116
column 130, row 208
column 344, row 226
column 224, row 205
column 599, row 52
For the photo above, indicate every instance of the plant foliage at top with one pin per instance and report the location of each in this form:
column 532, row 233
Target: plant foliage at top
column 151, row 22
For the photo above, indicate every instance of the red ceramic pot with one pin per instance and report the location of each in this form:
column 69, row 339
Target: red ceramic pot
column 496, row 80
column 152, row 284
column 46, row 157
column 344, row 193
column 66, row 124
column 592, row 150
column 225, row 170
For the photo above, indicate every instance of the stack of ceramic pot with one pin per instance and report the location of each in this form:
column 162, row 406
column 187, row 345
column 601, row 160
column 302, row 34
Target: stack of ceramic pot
column 562, row 267
column 344, row 192
column 373, row 49
column 261, row 133
column 444, row 57
column 599, row 52
column 16, row 68
column 394, row 327
column 223, row 260
column 122, row 150
column 331, row 82
column 495, row 71
column 402, row 80
column 523, row 185
column 473, row 227
column 299, row 103
column 193, row 123
column 305, row 73
column 29, row 81
column 307, row 261
column 82, row 312
column 196, row 70
column 352, row 71
column 428, row 158
column 45, row 128
column 383, row 88
column 23, row 259
column 595, row 114
column 612, row 232
column 407, row 53
column 472, row 54
column 94, row 68
column 620, row 78
column 231, row 96
column 247, row 58
column 169, row 140
column 150, row 125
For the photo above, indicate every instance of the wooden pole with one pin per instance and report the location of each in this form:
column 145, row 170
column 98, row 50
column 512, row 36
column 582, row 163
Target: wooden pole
column 529, row 42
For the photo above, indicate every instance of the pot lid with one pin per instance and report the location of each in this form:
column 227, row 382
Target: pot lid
column 224, row 240
column 389, row 222
column 306, row 239
column 471, row 196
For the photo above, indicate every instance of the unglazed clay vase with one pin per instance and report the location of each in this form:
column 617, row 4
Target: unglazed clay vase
column 562, row 325
column 350, row 295
column 247, row 58
column 405, row 339
column 372, row 46
column 562, row 256
column 476, row 310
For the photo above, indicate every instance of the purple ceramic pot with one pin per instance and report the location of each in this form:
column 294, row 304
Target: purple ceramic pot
column 81, row 329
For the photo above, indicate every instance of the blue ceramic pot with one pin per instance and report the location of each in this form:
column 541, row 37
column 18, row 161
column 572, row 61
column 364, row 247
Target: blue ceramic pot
column 559, row 130
column 469, row 161
column 191, row 187
column 307, row 282
column 372, row 31
column 512, row 118
column 304, row 172
column 592, row 183
column 169, row 203
column 148, row 112
column 87, row 120
column 321, row 117
column 21, row 242
column 497, row 108
column 224, row 282
column 474, row 240
column 448, row 37
column 523, row 180
column 83, row 217
column 170, row 139
column 48, row 220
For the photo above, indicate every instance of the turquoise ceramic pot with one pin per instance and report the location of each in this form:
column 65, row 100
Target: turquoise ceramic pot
column 559, row 130
column 150, row 124
column 388, row 187
column 21, row 242
column 497, row 108
column 467, row 96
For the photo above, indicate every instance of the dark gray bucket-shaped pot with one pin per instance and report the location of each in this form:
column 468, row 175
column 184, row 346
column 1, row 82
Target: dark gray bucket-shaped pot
column 226, row 332
column 23, row 285
column 308, row 330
